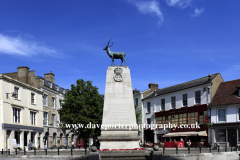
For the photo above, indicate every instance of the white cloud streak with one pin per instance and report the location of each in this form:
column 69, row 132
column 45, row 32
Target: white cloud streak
column 197, row 12
column 19, row 46
column 151, row 7
column 179, row 3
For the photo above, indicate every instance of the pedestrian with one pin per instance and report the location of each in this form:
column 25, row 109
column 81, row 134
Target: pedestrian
column 30, row 145
column 189, row 143
column 72, row 144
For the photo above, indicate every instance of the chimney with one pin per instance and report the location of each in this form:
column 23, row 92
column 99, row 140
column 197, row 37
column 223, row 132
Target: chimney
column 135, row 91
column 153, row 86
column 49, row 77
column 22, row 73
column 209, row 77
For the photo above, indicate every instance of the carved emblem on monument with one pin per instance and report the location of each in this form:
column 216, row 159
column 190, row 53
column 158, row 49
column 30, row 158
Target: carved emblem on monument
column 118, row 74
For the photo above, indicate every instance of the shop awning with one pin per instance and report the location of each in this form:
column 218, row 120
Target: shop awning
column 181, row 134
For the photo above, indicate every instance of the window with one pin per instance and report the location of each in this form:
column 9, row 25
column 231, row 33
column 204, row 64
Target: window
column 163, row 104
column 185, row 100
column 173, row 102
column 192, row 118
column 239, row 92
column 16, row 89
column 239, row 114
column 53, row 102
column 220, row 135
column 158, row 120
column 136, row 102
column 166, row 119
column 16, row 115
column 202, row 116
column 175, row 119
column 148, row 121
column 60, row 104
column 45, row 118
column 33, row 118
column 221, row 115
column 198, row 97
column 45, row 100
column 53, row 120
column 148, row 107
column 32, row 98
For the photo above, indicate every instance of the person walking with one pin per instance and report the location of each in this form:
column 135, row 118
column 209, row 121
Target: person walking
column 30, row 145
column 72, row 144
column 189, row 143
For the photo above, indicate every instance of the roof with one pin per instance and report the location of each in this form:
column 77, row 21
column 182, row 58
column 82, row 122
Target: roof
column 182, row 86
column 226, row 94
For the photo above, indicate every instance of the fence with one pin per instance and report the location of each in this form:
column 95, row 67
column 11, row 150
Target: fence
column 57, row 151
column 79, row 151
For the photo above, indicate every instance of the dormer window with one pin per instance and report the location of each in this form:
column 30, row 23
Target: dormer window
column 239, row 92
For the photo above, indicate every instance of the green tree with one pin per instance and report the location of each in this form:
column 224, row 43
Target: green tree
column 82, row 105
column 137, row 114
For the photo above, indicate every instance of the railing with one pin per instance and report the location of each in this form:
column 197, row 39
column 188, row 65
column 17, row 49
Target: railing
column 56, row 151
column 81, row 151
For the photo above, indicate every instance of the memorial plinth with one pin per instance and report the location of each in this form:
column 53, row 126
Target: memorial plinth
column 118, row 111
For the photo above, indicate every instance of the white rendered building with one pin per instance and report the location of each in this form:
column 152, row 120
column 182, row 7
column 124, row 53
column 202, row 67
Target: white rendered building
column 183, row 103
column 21, row 112
column 225, row 114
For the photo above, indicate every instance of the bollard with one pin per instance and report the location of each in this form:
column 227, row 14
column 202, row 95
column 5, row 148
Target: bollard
column 210, row 149
column 225, row 148
column 71, row 151
column 188, row 149
column 8, row 151
column 79, row 146
column 163, row 149
column 16, row 151
column 24, row 151
column 200, row 149
column 176, row 150
column 2, row 151
column 58, row 150
column 34, row 151
column 218, row 148
column 46, row 151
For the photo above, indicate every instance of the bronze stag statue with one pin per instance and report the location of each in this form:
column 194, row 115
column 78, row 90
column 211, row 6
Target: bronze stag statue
column 115, row 55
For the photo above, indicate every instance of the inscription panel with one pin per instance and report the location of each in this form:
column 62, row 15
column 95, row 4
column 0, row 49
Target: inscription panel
column 119, row 116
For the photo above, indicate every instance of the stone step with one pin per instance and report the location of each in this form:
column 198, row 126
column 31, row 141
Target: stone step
column 126, row 158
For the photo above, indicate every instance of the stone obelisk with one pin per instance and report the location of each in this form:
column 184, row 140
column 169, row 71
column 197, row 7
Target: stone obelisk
column 118, row 111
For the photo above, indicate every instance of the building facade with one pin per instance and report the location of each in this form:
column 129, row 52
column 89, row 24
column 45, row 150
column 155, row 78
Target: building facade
column 21, row 112
column 138, row 96
column 225, row 114
column 185, row 103
column 52, row 97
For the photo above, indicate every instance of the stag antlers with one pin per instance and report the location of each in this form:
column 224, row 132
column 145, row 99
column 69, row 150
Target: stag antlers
column 108, row 43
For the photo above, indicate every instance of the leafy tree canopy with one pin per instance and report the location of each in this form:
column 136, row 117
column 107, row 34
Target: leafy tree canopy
column 82, row 105
column 137, row 114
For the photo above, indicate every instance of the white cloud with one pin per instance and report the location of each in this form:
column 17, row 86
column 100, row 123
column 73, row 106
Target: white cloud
column 197, row 12
column 20, row 46
column 151, row 7
column 179, row 3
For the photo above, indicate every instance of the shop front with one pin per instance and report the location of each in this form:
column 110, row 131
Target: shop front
column 188, row 120
column 226, row 134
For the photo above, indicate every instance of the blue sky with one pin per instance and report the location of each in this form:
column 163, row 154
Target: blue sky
column 165, row 41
